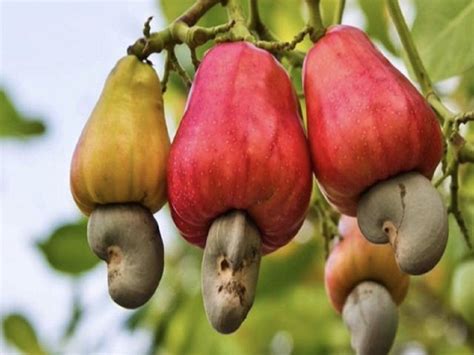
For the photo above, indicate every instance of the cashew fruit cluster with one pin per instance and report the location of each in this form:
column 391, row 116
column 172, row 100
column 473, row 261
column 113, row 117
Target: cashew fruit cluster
column 365, row 284
column 238, row 177
column 375, row 143
column 239, row 173
column 118, row 179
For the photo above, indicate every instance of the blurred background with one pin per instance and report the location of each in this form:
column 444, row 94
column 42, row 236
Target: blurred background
column 54, row 59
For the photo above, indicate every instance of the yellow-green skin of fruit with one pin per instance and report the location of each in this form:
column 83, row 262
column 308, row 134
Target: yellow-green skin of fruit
column 123, row 149
column 462, row 291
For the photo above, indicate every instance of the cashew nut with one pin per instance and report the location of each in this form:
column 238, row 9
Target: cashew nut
column 230, row 269
column 408, row 212
column 372, row 318
column 127, row 237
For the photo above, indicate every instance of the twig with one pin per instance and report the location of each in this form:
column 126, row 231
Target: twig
column 166, row 74
column 409, row 45
column 179, row 69
column 194, row 57
column 182, row 30
column 315, row 21
column 339, row 11
column 454, row 206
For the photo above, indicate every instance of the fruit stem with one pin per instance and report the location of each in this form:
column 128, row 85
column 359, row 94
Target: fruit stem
column 454, row 206
column 230, row 268
column 416, row 63
column 315, row 21
column 240, row 30
column 181, row 30
column 179, row 69
column 196, row 35
column 409, row 45
column 255, row 23
column 339, row 11
column 196, row 11
column 166, row 73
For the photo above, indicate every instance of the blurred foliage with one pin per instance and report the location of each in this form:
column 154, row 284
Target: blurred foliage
column 13, row 124
column 464, row 94
column 462, row 291
column 19, row 332
column 291, row 313
column 66, row 249
column 377, row 22
column 448, row 50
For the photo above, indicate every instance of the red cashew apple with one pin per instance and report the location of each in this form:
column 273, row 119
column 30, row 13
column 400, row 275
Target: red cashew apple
column 239, row 173
column 375, row 143
column 365, row 284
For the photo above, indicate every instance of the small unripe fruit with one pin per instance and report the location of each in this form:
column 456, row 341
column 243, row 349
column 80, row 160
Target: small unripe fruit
column 354, row 260
column 365, row 285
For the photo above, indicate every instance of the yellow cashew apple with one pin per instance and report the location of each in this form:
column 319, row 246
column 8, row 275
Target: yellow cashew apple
column 118, row 179
column 122, row 152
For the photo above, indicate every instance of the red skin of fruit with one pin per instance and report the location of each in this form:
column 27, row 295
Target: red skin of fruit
column 366, row 121
column 354, row 260
column 240, row 145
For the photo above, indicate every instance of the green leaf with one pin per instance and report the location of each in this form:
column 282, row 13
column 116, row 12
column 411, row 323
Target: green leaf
column 304, row 315
column 464, row 93
column 377, row 22
column 278, row 273
column 133, row 321
column 462, row 291
column 172, row 9
column 442, row 32
column 283, row 18
column 19, row 332
column 12, row 124
column 189, row 332
column 66, row 249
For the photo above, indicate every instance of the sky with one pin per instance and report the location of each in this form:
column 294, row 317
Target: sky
column 54, row 58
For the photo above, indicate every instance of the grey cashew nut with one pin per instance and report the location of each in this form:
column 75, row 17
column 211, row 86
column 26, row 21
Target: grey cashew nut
column 230, row 269
column 127, row 237
column 408, row 212
column 372, row 318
